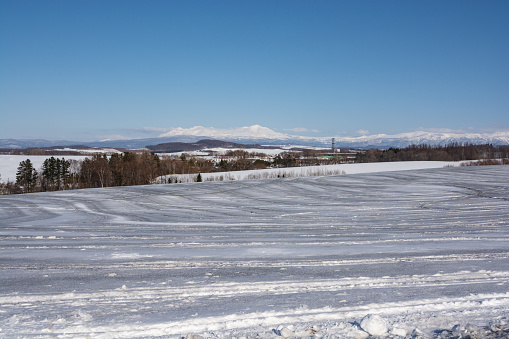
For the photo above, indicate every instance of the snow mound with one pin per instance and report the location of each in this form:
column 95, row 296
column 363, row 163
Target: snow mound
column 374, row 325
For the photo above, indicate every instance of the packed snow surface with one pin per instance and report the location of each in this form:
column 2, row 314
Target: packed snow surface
column 417, row 253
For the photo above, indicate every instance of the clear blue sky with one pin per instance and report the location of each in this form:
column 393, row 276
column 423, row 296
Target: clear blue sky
column 85, row 70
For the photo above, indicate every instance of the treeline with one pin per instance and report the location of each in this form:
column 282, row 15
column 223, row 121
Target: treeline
column 97, row 171
column 126, row 169
column 142, row 168
column 450, row 152
column 240, row 160
column 54, row 175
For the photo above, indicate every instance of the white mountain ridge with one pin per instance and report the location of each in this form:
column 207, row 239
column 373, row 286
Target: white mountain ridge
column 257, row 132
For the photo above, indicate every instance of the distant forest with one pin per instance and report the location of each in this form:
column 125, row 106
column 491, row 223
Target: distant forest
column 450, row 152
column 143, row 168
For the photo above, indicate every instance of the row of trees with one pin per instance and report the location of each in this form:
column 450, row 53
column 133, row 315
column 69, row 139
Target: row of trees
column 132, row 168
column 119, row 170
column 450, row 152
column 126, row 169
column 143, row 168
column 54, row 175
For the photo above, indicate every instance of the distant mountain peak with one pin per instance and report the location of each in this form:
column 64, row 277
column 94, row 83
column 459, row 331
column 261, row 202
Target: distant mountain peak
column 253, row 132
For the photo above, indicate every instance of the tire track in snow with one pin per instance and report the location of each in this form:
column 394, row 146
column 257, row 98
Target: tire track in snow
column 410, row 313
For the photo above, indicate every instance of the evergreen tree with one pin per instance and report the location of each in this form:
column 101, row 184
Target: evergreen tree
column 58, row 177
column 55, row 173
column 65, row 173
column 48, row 174
column 26, row 176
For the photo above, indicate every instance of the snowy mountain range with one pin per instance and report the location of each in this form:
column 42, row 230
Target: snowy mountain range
column 263, row 135
column 251, row 132
column 422, row 137
column 257, row 134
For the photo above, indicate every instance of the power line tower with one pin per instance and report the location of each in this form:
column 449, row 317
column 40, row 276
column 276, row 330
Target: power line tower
column 333, row 145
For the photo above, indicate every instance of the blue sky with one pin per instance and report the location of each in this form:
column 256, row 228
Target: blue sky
column 86, row 70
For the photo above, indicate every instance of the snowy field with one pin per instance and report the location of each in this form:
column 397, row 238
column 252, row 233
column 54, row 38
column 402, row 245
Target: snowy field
column 307, row 171
column 424, row 253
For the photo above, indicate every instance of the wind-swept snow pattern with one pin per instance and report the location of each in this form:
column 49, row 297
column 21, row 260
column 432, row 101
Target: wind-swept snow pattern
column 420, row 253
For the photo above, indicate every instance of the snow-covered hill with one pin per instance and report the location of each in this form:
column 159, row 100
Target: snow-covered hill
column 410, row 254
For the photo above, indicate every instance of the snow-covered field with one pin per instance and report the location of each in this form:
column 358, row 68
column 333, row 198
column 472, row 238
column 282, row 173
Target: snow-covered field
column 10, row 163
column 307, row 171
column 402, row 253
